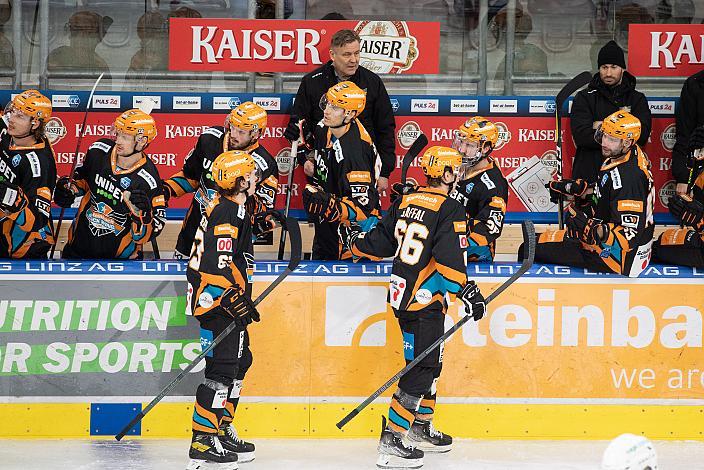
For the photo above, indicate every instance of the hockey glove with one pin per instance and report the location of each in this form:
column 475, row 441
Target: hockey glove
column 140, row 205
column 292, row 131
column 583, row 228
column 318, row 202
column 689, row 211
column 401, row 189
column 473, row 300
column 348, row 234
column 168, row 192
column 239, row 306
column 11, row 197
column 574, row 188
column 263, row 223
column 696, row 139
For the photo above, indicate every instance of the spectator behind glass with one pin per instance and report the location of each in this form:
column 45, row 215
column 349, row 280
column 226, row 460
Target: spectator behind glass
column 528, row 59
column 7, row 56
column 153, row 37
column 86, row 30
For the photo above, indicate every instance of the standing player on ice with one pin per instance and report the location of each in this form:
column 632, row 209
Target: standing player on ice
column 243, row 128
column 219, row 274
column 123, row 204
column 425, row 231
column 27, row 178
column 482, row 190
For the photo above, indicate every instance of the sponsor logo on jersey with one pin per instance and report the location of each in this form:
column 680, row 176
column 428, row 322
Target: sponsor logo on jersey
column 503, row 106
column 106, row 101
column 34, row 164
column 460, row 227
column 487, row 181
column 224, row 245
column 662, row 107
column 186, row 102
column 140, row 101
column 386, row 46
column 425, row 105
column 16, row 160
column 394, row 104
column 408, row 345
column 667, row 191
column 424, row 296
column 464, row 106
column 630, row 205
column 103, row 220
column 260, row 162
column 616, row 178
column 397, row 286
column 125, row 182
column 226, row 102
column 630, row 220
column 504, row 135
column 225, row 229
column 268, row 103
column 408, row 133
column 542, row 106
column 205, row 300
column 550, row 161
column 101, row 146
column 65, row 101
column 148, row 178
column 6, row 172
column 668, row 137
column 54, row 130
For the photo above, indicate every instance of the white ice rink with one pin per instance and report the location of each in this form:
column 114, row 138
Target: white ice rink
column 329, row 454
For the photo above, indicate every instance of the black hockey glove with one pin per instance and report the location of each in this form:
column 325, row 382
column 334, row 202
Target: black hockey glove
column 401, row 189
column 583, row 228
column 473, row 300
column 292, row 131
column 348, row 234
column 168, row 192
column 239, row 306
column 64, row 195
column 140, row 205
column 318, row 202
column 689, row 211
column 12, row 197
column 574, row 188
column 696, row 139
column 264, row 222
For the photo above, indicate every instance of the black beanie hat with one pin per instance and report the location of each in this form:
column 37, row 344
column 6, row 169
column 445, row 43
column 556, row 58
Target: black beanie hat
column 612, row 54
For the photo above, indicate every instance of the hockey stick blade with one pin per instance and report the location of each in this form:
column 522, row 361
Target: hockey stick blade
column 296, row 245
column 75, row 163
column 417, row 146
column 529, row 242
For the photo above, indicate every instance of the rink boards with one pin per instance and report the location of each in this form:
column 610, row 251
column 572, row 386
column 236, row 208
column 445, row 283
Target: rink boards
column 564, row 353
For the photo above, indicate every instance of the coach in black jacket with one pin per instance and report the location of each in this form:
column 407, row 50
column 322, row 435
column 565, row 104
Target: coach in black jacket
column 688, row 117
column 377, row 118
column 611, row 89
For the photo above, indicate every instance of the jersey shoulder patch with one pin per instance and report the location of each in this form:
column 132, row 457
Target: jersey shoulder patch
column 260, row 161
column 151, row 181
column 100, row 145
column 34, row 164
column 486, row 179
column 214, row 131
column 616, row 178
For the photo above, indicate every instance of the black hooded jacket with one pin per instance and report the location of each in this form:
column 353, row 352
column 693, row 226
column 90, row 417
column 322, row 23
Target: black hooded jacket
column 688, row 116
column 594, row 104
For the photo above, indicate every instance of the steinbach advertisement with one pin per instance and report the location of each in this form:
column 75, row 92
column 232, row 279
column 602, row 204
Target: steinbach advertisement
column 232, row 45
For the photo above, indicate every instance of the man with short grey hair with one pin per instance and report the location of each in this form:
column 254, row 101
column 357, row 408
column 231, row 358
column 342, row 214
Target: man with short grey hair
column 377, row 118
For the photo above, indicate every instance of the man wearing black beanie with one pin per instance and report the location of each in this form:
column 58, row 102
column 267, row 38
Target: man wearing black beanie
column 610, row 90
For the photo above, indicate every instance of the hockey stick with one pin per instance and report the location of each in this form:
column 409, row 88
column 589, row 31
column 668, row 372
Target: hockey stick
column 529, row 241
column 147, row 106
column 289, row 188
column 572, row 86
column 74, row 164
column 411, row 155
column 295, row 237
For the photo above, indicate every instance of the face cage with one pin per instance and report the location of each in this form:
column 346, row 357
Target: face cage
column 467, row 160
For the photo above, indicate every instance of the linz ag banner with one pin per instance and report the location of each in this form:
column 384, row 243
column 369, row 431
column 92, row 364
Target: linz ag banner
column 230, row 45
column 665, row 49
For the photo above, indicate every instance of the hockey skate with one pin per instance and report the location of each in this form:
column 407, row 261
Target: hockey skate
column 424, row 436
column 230, row 441
column 393, row 453
column 207, row 453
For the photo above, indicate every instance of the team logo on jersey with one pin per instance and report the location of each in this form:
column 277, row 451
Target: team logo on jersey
column 408, row 133
column 668, row 137
column 550, row 161
column 667, row 191
column 504, row 135
column 54, row 130
column 16, row 160
column 205, row 196
column 394, row 104
column 469, row 188
column 103, row 220
column 125, row 182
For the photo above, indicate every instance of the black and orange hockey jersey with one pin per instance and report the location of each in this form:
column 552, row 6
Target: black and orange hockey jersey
column 28, row 233
column 426, row 231
column 221, row 255
column 484, row 195
column 103, row 227
column 346, row 167
column 195, row 177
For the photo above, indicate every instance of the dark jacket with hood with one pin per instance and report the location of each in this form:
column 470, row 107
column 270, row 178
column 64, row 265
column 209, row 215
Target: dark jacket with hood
column 688, row 116
column 594, row 104
column 377, row 117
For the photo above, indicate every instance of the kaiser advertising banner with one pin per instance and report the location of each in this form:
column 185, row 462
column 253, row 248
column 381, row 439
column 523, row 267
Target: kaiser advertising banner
column 665, row 49
column 232, row 45
column 527, row 131
column 119, row 329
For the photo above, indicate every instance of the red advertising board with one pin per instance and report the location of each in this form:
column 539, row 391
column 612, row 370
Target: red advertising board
column 231, row 45
column 520, row 139
column 665, row 49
